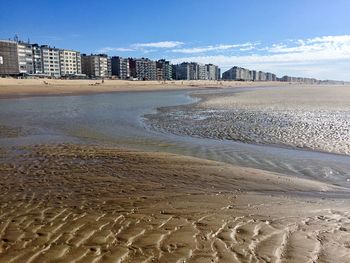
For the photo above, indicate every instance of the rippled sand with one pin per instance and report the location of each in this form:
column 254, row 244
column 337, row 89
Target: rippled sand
column 313, row 117
column 71, row 203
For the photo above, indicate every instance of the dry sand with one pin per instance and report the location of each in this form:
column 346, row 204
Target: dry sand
column 36, row 87
column 70, row 203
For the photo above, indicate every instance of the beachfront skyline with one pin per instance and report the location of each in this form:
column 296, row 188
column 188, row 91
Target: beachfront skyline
column 301, row 38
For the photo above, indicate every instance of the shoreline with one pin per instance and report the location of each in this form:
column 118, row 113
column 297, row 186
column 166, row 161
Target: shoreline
column 17, row 88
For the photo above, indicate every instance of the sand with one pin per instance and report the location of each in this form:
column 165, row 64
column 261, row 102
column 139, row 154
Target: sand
column 87, row 203
column 74, row 203
column 36, row 87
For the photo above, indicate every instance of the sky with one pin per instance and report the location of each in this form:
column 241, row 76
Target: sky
column 308, row 38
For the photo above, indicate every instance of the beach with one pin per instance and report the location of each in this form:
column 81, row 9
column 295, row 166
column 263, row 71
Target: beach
column 64, row 203
column 83, row 196
column 10, row 87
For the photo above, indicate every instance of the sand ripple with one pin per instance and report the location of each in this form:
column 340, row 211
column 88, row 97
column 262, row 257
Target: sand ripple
column 66, row 203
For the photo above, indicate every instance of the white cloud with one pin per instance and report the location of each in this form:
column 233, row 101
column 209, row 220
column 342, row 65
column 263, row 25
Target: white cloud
column 312, row 45
column 145, row 47
column 321, row 57
column 162, row 44
column 242, row 47
column 115, row 49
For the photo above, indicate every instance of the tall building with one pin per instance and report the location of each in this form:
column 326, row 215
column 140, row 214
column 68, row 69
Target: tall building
column 262, row 76
column 50, row 61
column 213, row 72
column 95, row 65
column 37, row 59
column 269, row 76
column 181, row 71
column 255, row 75
column 18, row 57
column 237, row 73
column 159, row 71
column 164, row 70
column 218, row 73
column 174, row 72
column 70, row 62
column 202, row 72
column 25, row 58
column 109, row 67
column 8, row 58
column 120, row 67
column 193, row 71
column 143, row 69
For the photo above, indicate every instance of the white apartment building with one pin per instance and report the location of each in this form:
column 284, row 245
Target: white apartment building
column 70, row 62
column 51, row 61
column 202, row 72
column 213, row 72
column 25, row 58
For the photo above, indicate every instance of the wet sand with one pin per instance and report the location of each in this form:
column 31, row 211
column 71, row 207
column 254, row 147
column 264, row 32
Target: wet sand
column 12, row 88
column 74, row 203
column 308, row 117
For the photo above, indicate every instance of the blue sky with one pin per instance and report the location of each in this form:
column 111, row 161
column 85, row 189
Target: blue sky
column 296, row 37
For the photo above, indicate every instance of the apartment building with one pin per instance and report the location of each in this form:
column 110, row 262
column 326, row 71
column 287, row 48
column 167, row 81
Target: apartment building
column 37, row 59
column 70, row 62
column 269, row 76
column 109, row 67
column 143, row 69
column 195, row 71
column 25, row 58
column 237, row 73
column 202, row 72
column 50, row 61
column 159, row 71
column 120, row 67
column 8, row 58
column 212, row 72
column 262, row 76
column 181, row 71
column 164, row 70
column 95, row 66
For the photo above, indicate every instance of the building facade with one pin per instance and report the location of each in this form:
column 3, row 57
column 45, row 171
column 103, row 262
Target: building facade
column 95, row 66
column 25, row 58
column 202, row 72
column 120, row 67
column 37, row 59
column 144, row 69
column 50, row 61
column 70, row 62
column 164, row 70
column 8, row 58
column 195, row 71
column 213, row 72
column 109, row 67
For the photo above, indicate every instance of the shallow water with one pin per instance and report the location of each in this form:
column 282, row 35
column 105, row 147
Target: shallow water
column 316, row 118
column 117, row 119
